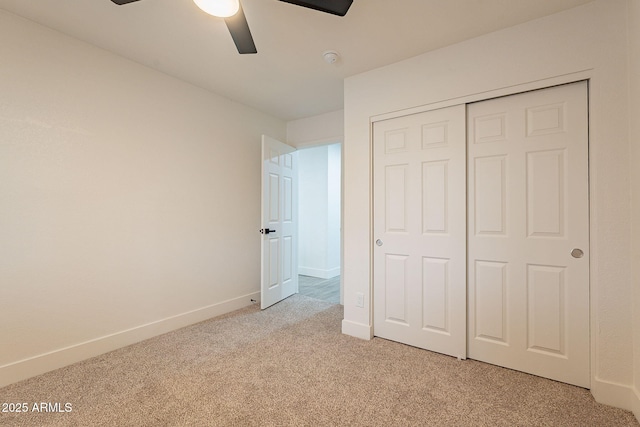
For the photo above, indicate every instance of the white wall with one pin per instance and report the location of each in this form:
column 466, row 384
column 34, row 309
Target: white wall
column 334, row 184
column 586, row 42
column 322, row 129
column 319, row 211
column 634, row 158
column 312, row 211
column 129, row 201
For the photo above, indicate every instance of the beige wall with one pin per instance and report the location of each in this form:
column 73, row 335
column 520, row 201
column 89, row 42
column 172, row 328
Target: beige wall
column 322, row 129
column 586, row 42
column 634, row 140
column 129, row 201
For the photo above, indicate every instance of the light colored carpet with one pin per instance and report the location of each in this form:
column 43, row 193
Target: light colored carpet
column 290, row 366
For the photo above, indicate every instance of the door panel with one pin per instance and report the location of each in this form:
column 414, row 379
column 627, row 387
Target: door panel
column 279, row 212
column 490, row 210
column 528, row 209
column 419, row 202
column 435, row 285
column 490, row 302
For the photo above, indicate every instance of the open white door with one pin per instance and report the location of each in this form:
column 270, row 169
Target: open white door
column 279, row 222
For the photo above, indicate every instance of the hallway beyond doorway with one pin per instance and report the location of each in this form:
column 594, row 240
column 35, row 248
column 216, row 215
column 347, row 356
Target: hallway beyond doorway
column 322, row 289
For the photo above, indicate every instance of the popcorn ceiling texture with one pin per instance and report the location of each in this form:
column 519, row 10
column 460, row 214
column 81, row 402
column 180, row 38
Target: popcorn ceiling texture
column 290, row 365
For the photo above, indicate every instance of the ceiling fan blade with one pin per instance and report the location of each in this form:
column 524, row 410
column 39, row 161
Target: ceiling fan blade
column 121, row 2
column 239, row 29
column 335, row 7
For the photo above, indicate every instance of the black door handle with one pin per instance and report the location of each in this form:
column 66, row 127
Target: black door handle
column 266, row 231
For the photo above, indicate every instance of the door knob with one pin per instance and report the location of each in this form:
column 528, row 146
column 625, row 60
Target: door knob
column 577, row 253
column 266, row 231
column 379, row 242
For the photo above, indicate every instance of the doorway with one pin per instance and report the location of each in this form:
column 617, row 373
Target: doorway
column 319, row 175
column 523, row 251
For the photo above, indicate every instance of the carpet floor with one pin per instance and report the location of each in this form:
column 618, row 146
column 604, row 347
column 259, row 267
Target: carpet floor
column 290, row 366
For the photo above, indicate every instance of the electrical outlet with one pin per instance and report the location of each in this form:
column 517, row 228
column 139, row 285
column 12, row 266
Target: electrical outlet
column 359, row 299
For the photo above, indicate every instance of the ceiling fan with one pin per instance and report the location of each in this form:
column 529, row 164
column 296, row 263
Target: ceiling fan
column 231, row 11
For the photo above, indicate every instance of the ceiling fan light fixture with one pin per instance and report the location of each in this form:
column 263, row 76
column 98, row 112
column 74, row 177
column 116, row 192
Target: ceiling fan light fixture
column 219, row 8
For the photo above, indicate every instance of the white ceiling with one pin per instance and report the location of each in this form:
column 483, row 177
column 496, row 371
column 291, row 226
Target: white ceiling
column 287, row 78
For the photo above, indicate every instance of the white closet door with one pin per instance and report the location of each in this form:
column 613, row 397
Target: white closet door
column 419, row 230
column 528, row 233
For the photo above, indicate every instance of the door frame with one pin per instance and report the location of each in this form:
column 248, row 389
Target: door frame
column 586, row 76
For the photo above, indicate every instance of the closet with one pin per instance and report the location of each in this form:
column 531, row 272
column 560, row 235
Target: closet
column 481, row 231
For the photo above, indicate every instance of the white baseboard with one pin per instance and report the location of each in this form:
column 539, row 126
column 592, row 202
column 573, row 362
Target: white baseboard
column 635, row 403
column 36, row 365
column 615, row 394
column 317, row 272
column 358, row 330
column 610, row 393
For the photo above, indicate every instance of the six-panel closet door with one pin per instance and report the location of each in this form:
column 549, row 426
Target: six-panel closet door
column 420, row 231
column 481, row 222
column 528, row 233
